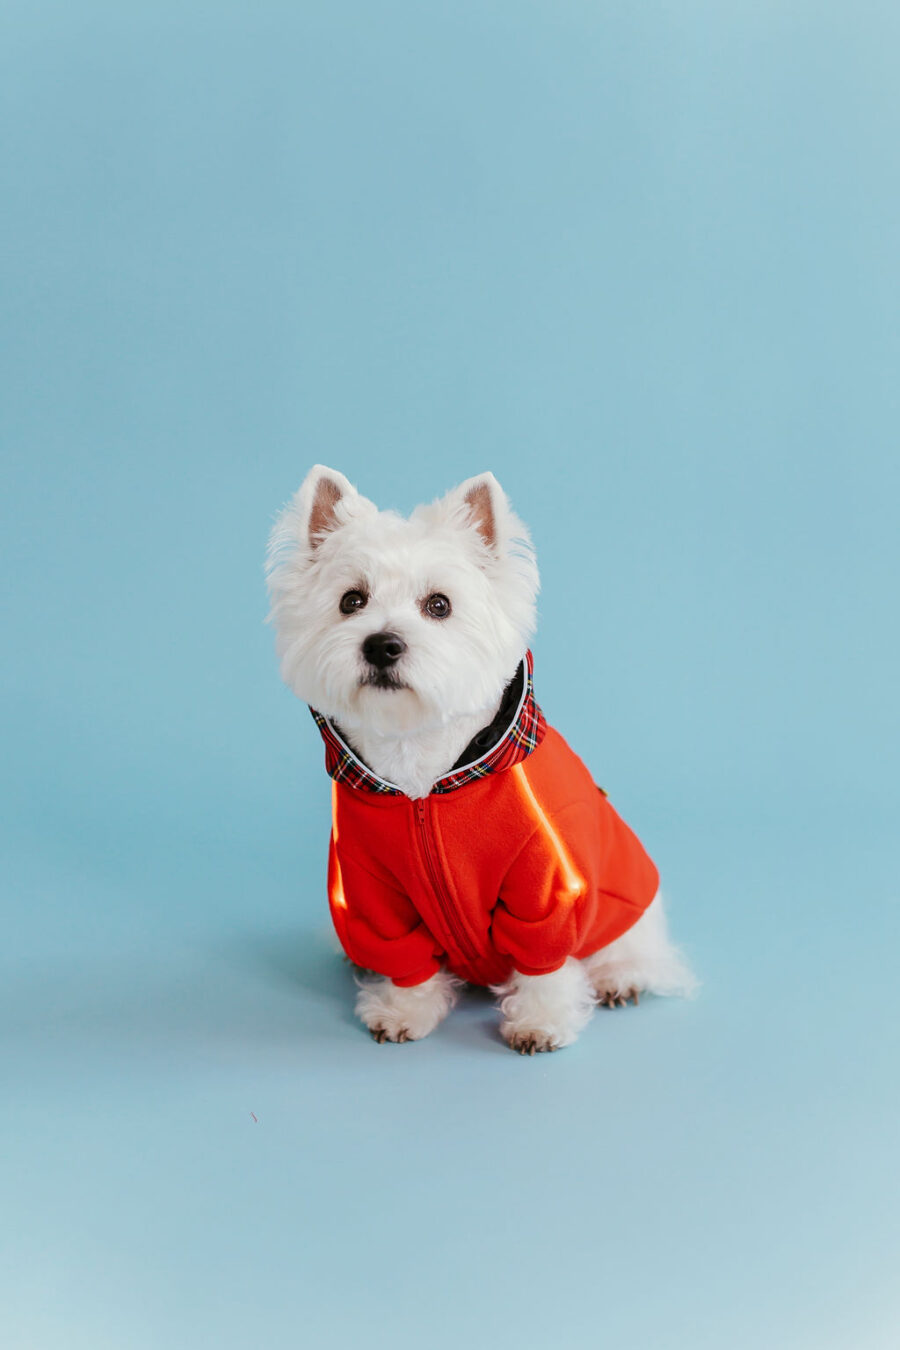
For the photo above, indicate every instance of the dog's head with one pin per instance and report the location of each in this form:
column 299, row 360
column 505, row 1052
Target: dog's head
column 399, row 624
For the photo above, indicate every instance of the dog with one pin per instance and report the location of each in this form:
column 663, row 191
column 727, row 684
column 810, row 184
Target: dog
column 469, row 843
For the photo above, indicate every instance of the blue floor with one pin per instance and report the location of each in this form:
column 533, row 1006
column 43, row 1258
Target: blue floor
column 202, row 1147
column 641, row 262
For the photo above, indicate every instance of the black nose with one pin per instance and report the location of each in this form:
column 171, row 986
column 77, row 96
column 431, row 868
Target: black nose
column 383, row 649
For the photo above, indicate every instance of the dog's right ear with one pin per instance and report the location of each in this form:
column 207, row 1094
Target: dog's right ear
column 324, row 502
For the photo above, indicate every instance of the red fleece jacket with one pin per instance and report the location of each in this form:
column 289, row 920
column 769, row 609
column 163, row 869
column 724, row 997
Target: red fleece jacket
column 515, row 860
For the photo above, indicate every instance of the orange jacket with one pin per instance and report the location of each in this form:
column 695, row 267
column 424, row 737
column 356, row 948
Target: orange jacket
column 515, row 859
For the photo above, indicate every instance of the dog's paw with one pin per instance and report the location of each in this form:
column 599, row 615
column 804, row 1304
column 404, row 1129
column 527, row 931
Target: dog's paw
column 616, row 997
column 397, row 1013
column 531, row 1042
column 388, row 1022
column 398, row 1035
column 544, row 1012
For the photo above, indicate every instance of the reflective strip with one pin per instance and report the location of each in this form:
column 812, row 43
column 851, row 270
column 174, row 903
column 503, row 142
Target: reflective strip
column 574, row 882
column 337, row 888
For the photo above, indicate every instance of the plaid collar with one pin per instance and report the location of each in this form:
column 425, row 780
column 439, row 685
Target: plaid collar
column 523, row 733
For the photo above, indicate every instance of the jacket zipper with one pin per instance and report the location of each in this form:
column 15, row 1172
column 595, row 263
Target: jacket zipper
column 445, row 902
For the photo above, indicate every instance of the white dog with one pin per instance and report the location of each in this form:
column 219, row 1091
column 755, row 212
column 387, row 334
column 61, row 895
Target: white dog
column 469, row 842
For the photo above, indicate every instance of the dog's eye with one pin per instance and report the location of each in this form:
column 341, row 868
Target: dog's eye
column 437, row 606
column 351, row 601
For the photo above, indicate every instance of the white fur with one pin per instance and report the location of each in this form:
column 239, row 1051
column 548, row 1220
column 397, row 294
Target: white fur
column 406, row 1013
column 545, row 1012
column 470, row 546
column 644, row 960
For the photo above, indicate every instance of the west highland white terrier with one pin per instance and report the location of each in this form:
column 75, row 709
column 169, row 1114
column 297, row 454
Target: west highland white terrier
column 469, row 843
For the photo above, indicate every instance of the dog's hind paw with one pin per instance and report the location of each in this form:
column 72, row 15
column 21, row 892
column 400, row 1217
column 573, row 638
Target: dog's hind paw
column 615, row 998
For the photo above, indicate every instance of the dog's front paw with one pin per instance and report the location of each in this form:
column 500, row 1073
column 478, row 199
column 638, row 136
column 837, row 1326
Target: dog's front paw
column 399, row 1013
column 398, row 1035
column 544, row 1012
column 531, row 1042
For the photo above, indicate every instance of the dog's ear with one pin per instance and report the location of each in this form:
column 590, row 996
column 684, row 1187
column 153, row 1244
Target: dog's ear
column 480, row 502
column 324, row 502
column 318, row 499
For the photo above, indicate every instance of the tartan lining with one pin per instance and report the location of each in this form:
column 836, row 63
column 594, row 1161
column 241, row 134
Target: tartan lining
column 524, row 734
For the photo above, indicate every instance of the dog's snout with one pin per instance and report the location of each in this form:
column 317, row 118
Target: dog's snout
column 383, row 649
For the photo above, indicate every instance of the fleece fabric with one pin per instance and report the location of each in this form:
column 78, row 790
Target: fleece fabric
column 515, row 860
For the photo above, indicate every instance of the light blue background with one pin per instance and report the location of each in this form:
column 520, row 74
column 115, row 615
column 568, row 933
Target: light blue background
column 642, row 262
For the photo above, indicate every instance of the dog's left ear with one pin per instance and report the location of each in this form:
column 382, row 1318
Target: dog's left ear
column 479, row 510
column 480, row 502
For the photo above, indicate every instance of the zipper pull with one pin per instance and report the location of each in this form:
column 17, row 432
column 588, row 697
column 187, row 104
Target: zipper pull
column 420, row 810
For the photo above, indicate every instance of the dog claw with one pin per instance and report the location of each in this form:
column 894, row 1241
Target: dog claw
column 380, row 1035
column 617, row 1000
column 531, row 1046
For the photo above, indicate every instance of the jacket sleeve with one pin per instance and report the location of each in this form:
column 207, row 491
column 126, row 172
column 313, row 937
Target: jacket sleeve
column 540, row 910
column 376, row 923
